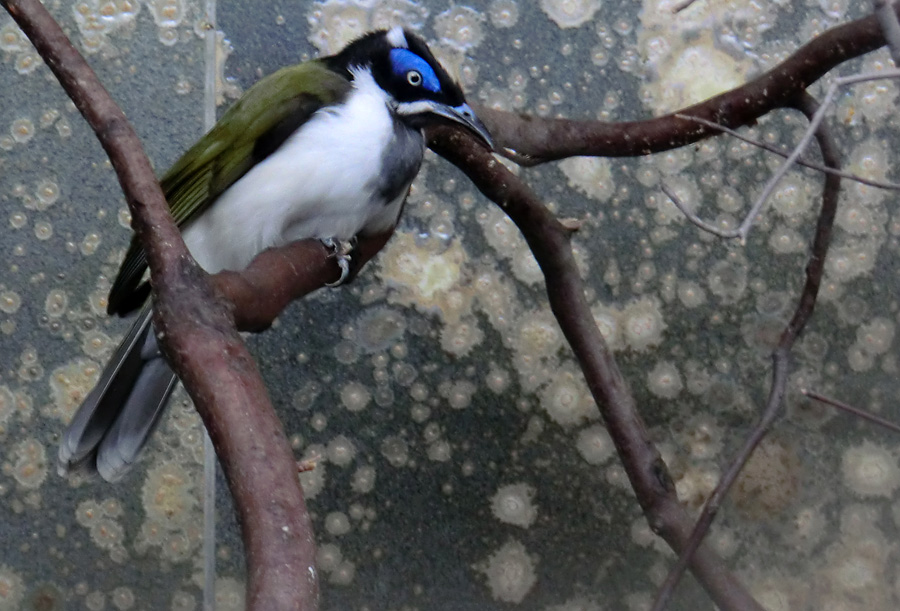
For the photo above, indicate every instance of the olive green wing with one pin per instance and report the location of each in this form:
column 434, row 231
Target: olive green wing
column 253, row 128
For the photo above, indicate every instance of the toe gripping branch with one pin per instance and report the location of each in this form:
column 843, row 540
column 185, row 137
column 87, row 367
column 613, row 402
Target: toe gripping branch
column 340, row 250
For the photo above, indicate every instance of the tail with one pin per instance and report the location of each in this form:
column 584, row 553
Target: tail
column 116, row 419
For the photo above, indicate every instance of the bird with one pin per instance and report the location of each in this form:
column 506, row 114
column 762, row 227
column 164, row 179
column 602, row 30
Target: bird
column 323, row 149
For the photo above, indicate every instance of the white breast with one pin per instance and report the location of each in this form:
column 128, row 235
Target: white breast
column 318, row 184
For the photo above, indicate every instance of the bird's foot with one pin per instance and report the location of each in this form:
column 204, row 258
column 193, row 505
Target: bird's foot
column 340, row 250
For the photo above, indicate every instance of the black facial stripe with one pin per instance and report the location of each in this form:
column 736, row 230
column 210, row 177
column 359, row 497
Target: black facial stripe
column 372, row 50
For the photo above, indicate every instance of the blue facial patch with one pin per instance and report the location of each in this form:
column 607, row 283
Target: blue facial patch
column 404, row 60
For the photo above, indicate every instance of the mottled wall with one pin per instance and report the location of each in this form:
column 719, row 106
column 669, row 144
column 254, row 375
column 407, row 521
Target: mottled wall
column 462, row 463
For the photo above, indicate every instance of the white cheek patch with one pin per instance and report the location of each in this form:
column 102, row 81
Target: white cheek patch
column 415, row 108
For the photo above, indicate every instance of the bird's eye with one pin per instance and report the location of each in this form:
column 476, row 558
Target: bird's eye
column 418, row 73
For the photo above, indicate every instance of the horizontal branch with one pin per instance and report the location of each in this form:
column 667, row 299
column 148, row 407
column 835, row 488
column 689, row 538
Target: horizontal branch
column 550, row 139
column 278, row 276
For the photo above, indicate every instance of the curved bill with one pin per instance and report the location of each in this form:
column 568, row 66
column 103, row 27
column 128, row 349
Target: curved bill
column 464, row 115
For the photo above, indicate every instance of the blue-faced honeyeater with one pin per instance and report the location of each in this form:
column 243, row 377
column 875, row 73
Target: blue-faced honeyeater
column 324, row 149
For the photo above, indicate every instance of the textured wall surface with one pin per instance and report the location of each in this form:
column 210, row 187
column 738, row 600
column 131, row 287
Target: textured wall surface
column 462, row 463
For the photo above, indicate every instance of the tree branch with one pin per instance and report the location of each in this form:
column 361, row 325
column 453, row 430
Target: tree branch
column 278, row 276
column 549, row 241
column 198, row 336
column 815, row 269
column 551, row 139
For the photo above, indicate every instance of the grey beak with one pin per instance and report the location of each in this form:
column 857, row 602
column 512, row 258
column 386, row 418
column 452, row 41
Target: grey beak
column 465, row 116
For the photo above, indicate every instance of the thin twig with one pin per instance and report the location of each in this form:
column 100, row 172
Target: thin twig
column 859, row 413
column 814, row 271
column 696, row 220
column 879, row 184
column 740, row 232
column 682, row 6
column 808, row 135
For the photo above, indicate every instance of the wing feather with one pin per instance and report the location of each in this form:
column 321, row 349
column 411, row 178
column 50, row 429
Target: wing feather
column 254, row 127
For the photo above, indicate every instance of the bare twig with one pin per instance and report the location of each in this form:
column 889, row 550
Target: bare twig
column 743, row 229
column 549, row 242
column 879, row 184
column 814, row 270
column 200, row 341
column 308, row 464
column 859, row 413
column 682, row 6
column 808, row 135
column 696, row 220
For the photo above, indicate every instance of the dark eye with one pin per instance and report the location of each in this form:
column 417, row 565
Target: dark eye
column 414, row 78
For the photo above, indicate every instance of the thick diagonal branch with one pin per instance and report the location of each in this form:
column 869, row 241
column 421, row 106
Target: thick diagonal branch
column 549, row 242
column 198, row 336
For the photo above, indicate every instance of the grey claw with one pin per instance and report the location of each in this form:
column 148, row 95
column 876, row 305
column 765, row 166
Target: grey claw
column 340, row 250
column 343, row 262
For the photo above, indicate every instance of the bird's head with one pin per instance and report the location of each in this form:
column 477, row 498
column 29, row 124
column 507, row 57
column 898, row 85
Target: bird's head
column 418, row 87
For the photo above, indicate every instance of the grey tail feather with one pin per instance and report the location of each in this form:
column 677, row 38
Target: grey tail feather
column 118, row 416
